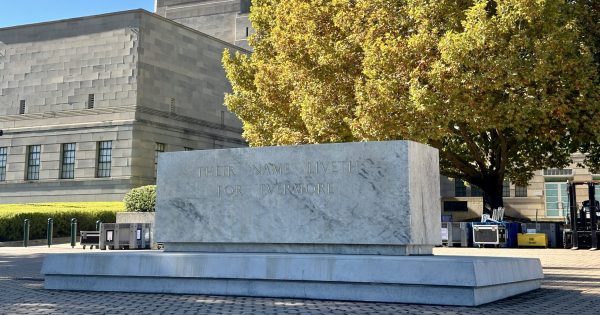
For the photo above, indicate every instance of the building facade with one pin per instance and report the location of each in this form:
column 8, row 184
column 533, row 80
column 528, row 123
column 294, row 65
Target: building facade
column 87, row 104
column 224, row 19
column 544, row 199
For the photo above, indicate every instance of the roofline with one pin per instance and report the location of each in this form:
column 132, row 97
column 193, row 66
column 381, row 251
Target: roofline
column 73, row 19
column 140, row 11
column 154, row 15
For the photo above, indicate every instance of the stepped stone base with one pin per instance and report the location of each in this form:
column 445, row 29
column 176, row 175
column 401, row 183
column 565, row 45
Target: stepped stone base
column 443, row 280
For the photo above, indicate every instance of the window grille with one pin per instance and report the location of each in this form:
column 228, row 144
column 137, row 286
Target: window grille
column 104, row 158
column 91, row 100
column 558, row 172
column 460, row 190
column 506, row 188
column 520, row 191
column 67, row 169
column 33, row 162
column 3, row 157
column 476, row 191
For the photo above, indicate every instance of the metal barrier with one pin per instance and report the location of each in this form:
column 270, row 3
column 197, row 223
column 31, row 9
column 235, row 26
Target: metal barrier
column 125, row 236
column 98, row 223
column 49, row 231
column 26, row 227
column 455, row 234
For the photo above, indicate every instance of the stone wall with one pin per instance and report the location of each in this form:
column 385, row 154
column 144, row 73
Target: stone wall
column 153, row 80
column 55, row 66
column 85, row 186
column 181, row 92
column 221, row 19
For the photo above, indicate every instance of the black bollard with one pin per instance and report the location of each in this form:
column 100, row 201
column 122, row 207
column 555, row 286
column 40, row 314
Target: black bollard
column 49, row 231
column 73, row 232
column 26, row 232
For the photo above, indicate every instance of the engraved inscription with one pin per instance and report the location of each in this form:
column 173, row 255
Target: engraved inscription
column 271, row 169
column 296, row 189
column 325, row 169
column 230, row 191
column 216, row 171
column 332, row 167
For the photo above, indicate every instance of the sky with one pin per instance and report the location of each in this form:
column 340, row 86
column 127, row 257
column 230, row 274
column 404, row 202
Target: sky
column 19, row 12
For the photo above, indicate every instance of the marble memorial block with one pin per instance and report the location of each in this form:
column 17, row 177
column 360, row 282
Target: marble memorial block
column 330, row 221
column 344, row 198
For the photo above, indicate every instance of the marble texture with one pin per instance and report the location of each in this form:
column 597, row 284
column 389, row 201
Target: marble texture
column 446, row 280
column 366, row 193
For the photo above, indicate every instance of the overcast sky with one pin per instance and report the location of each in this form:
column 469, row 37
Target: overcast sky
column 18, row 12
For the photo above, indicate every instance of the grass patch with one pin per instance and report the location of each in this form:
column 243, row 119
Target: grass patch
column 86, row 213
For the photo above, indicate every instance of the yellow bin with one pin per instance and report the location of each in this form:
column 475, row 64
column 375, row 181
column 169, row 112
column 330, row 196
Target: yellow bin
column 532, row 239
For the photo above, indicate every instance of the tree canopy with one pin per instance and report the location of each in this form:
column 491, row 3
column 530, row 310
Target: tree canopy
column 501, row 87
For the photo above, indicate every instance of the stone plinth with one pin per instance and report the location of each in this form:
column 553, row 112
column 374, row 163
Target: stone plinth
column 445, row 280
column 347, row 198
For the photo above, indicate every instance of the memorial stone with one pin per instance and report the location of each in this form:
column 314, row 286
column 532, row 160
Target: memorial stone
column 346, row 198
column 347, row 221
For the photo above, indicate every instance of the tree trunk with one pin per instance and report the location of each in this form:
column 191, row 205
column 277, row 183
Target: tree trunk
column 492, row 194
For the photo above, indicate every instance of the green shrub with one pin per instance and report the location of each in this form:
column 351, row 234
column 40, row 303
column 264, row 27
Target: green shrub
column 141, row 199
column 11, row 224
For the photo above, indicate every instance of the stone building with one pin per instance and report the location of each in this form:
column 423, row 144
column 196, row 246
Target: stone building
column 224, row 19
column 544, row 199
column 87, row 104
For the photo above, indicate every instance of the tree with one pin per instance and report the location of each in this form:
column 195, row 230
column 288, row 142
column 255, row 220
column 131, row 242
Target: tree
column 501, row 88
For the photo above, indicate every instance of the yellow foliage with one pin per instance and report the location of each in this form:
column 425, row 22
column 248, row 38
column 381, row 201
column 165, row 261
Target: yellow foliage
column 501, row 87
column 6, row 209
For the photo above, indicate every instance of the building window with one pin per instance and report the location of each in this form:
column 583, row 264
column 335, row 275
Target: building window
column 188, row 149
column 91, row 100
column 159, row 148
column 460, row 190
column 476, row 191
column 33, row 162
column 520, row 191
column 67, row 167
column 506, row 188
column 104, row 158
column 22, row 107
column 245, row 6
column 557, row 199
column 3, row 154
column 558, row 172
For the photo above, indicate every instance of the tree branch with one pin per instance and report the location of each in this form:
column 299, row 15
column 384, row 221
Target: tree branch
column 475, row 151
column 455, row 159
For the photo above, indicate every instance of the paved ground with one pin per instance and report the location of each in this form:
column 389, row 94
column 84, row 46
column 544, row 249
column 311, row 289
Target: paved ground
column 571, row 286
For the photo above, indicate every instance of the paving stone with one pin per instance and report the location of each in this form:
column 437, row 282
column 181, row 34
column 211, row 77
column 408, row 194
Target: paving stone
column 571, row 286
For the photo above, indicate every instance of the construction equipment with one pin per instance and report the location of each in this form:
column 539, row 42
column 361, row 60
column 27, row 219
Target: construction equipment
column 581, row 228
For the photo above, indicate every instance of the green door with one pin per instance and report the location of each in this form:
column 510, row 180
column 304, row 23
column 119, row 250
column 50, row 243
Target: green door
column 557, row 199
